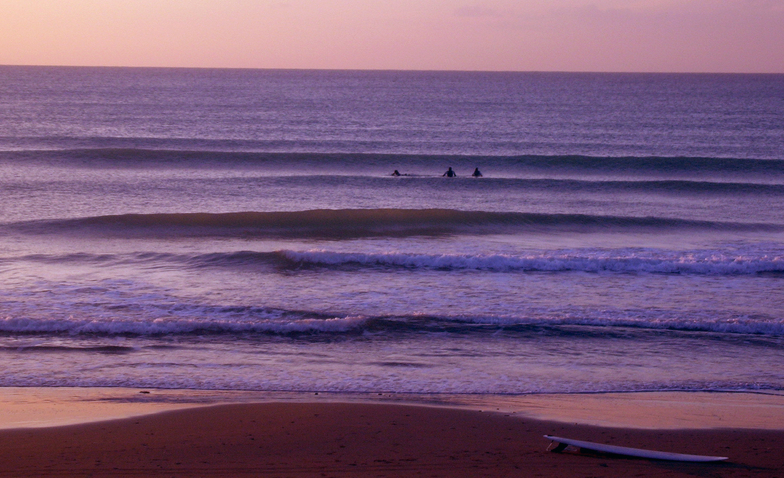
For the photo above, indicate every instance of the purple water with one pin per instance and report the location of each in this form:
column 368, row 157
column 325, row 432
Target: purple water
column 240, row 229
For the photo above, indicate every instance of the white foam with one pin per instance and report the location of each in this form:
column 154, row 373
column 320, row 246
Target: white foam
column 222, row 324
column 179, row 325
column 707, row 323
column 623, row 261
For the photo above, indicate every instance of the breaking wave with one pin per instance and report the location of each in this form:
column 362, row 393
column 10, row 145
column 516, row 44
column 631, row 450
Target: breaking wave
column 608, row 325
column 215, row 324
column 654, row 261
column 663, row 262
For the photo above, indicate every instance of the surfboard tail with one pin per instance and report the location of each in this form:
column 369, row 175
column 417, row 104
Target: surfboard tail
column 562, row 443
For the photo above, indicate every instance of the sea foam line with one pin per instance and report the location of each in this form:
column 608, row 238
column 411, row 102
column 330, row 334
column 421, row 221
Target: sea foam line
column 657, row 261
column 174, row 326
column 605, row 325
column 707, row 262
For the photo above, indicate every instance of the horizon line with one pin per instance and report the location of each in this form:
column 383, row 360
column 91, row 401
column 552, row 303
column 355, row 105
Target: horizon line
column 393, row 70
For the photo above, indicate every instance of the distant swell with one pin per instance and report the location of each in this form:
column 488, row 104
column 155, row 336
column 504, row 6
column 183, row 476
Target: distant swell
column 360, row 222
column 198, row 153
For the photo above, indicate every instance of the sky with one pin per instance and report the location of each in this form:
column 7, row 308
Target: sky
column 745, row 36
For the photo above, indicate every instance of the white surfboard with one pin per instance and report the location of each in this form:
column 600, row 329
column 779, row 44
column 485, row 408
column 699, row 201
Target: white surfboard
column 626, row 451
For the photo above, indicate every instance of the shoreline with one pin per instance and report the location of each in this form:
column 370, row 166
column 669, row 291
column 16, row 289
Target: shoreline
column 347, row 439
column 41, row 407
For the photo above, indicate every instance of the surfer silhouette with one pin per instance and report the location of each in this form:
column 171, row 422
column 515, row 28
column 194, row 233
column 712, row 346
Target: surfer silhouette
column 396, row 173
column 449, row 173
column 477, row 173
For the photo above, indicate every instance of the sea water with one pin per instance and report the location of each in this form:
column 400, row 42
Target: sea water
column 241, row 230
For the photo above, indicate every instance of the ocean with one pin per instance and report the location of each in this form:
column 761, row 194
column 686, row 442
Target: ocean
column 241, row 230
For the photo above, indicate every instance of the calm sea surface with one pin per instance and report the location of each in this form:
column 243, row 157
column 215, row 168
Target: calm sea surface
column 241, row 230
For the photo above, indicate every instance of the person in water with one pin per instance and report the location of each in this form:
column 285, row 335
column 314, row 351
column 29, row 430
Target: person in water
column 449, row 173
column 477, row 174
column 396, row 173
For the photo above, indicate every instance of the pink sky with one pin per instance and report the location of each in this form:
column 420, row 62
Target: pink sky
column 516, row 35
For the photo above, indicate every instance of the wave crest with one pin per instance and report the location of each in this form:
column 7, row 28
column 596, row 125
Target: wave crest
column 654, row 261
column 607, row 324
column 180, row 326
column 338, row 223
column 706, row 262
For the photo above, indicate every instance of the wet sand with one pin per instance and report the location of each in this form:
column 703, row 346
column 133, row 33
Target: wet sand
column 33, row 407
column 303, row 439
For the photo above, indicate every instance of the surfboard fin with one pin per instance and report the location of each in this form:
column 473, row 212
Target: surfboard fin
column 558, row 448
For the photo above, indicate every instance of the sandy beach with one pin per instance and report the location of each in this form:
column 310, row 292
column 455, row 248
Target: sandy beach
column 333, row 438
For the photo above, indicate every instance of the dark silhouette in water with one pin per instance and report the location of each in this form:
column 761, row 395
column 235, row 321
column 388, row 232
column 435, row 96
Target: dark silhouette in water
column 449, row 173
column 477, row 173
column 396, row 173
